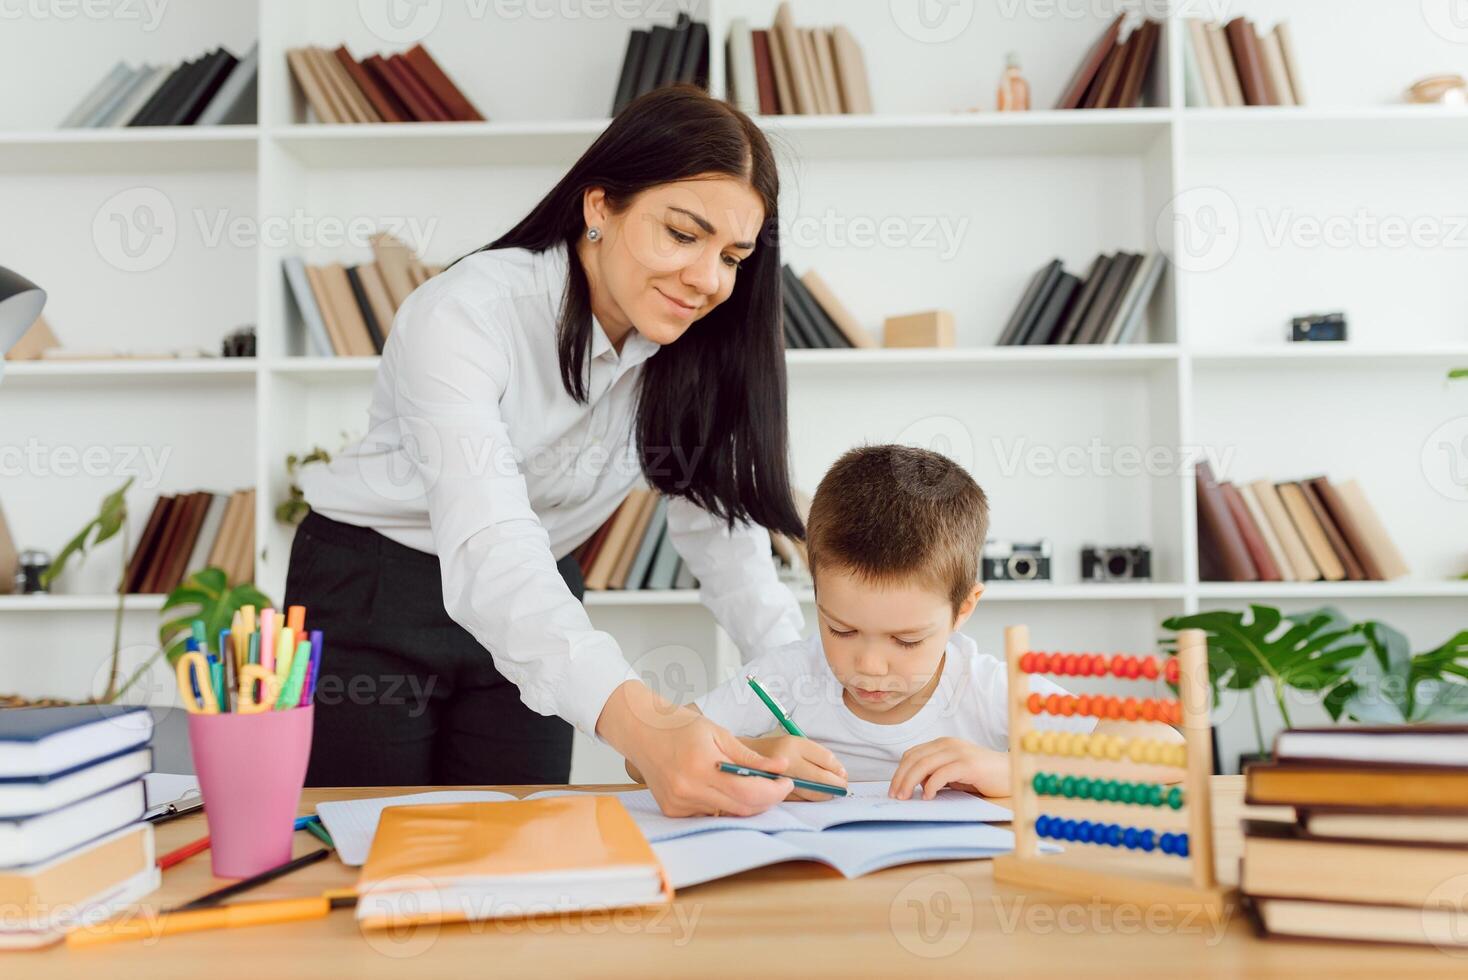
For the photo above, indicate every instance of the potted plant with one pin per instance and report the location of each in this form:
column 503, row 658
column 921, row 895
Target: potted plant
column 1390, row 685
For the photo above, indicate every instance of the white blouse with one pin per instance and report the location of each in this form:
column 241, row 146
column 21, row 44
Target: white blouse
column 476, row 453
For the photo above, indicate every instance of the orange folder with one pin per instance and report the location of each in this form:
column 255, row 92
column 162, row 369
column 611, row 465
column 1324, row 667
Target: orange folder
column 448, row 862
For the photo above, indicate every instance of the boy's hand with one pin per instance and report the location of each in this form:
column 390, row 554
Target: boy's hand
column 951, row 762
column 807, row 760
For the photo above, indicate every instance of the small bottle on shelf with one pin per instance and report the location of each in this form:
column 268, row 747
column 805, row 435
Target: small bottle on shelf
column 1014, row 91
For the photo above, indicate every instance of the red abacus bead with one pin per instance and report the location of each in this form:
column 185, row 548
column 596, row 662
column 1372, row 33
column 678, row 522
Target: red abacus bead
column 1083, row 705
column 1170, row 671
column 1113, row 708
column 1098, row 665
column 1131, row 668
column 1118, row 664
column 1170, row 712
column 1083, row 665
column 1027, row 662
column 1149, row 668
column 1149, row 710
column 1068, row 705
column 1129, row 709
column 1068, row 665
column 1052, row 704
column 1046, row 663
column 1035, row 703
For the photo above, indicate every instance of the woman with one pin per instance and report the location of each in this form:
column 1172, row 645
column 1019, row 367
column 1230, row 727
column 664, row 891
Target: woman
column 627, row 329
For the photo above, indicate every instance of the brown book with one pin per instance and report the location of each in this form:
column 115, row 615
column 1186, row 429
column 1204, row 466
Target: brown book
column 1334, row 786
column 1080, row 83
column 1243, row 43
column 1138, row 65
column 851, row 71
column 1367, row 824
column 1283, row 861
column 594, row 544
column 853, row 331
column 229, row 528
column 195, row 508
column 1259, row 554
column 439, row 83
column 823, row 66
column 1368, row 524
column 147, row 541
column 1228, row 72
column 9, row 556
column 325, row 66
column 1352, row 565
column 243, row 563
column 334, row 329
column 1207, row 65
column 1216, row 528
column 611, row 550
column 386, row 78
column 157, row 561
column 1441, row 925
column 343, row 303
column 414, row 93
column 634, row 541
column 1266, row 531
column 1303, row 517
column 303, row 70
column 1345, row 522
column 1284, row 529
column 1291, row 62
column 764, row 73
column 389, row 108
column 37, row 339
column 378, row 298
column 784, row 91
column 1276, row 73
column 792, row 48
column 1109, row 79
column 394, row 261
column 358, row 108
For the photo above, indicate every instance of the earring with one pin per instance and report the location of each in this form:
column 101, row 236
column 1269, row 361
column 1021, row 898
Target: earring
column 593, row 234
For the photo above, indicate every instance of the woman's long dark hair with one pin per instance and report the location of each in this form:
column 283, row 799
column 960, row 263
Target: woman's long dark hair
column 711, row 422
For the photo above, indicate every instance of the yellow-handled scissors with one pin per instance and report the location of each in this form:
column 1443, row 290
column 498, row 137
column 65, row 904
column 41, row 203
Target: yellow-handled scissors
column 250, row 674
column 193, row 671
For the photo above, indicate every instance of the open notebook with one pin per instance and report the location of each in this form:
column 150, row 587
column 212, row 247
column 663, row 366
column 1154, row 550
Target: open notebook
column 784, row 829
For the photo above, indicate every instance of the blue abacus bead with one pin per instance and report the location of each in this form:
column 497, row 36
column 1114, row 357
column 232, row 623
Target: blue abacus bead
column 1181, row 850
column 1114, row 835
column 1165, row 843
column 1129, row 838
column 1068, row 829
column 1148, row 840
column 1042, row 825
column 1084, row 831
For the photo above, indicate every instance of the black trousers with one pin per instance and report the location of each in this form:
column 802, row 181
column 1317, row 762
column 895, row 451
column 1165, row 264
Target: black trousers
column 406, row 696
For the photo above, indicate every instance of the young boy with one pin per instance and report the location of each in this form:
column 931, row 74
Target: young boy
column 887, row 688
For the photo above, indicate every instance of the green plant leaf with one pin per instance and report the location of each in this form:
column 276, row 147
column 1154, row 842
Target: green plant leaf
column 208, row 596
column 110, row 516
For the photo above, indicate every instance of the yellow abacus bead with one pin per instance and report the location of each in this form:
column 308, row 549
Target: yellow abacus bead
column 1151, row 752
column 1113, row 748
column 1064, row 743
column 1083, row 745
column 1096, row 747
column 1030, row 741
column 1047, row 742
column 1134, row 751
column 1180, row 755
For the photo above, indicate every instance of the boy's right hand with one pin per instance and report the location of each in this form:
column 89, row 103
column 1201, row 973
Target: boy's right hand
column 807, row 760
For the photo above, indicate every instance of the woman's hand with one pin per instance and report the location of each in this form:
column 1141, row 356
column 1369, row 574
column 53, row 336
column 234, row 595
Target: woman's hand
column 806, row 759
column 951, row 762
column 677, row 752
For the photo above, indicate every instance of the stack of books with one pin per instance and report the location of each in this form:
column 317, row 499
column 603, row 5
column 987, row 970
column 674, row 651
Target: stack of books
column 407, row 87
column 658, row 56
column 214, row 89
column 1296, row 531
column 787, row 70
column 348, row 310
column 1107, row 307
column 73, row 849
column 814, row 317
column 190, row 531
column 1114, row 72
column 1378, row 849
column 1234, row 64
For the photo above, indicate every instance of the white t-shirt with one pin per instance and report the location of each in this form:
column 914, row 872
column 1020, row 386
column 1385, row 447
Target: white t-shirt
column 971, row 702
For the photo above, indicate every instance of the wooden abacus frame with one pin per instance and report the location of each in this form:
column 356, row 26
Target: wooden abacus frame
column 1027, row 867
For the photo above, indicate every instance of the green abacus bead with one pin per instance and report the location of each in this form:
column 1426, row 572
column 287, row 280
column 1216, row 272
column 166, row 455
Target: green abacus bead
column 1175, row 798
column 1052, row 784
column 1068, row 787
column 1124, row 792
column 1154, row 795
column 1083, row 788
column 1040, row 783
column 1110, row 791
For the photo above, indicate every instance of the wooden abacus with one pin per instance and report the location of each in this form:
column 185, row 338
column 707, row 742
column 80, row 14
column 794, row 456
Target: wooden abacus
column 1172, row 821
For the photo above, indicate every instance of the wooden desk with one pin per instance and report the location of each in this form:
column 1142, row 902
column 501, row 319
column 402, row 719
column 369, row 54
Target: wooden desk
column 942, row 918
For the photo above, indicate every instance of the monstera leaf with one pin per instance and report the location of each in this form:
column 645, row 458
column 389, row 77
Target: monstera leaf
column 1393, row 687
column 208, row 596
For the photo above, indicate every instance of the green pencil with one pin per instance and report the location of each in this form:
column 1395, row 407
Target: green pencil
column 775, row 709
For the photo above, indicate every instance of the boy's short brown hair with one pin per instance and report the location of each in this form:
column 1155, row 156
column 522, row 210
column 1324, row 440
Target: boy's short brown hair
column 886, row 513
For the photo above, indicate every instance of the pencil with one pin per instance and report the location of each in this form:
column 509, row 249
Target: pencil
column 781, row 715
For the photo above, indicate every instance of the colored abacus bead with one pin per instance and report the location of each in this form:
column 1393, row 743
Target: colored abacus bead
column 1068, row 705
column 1165, row 843
column 1154, row 795
column 1129, row 709
column 1027, row 662
column 1114, row 835
column 1131, row 668
column 1175, row 798
column 1047, row 741
column 1118, row 664
column 1148, row 709
column 1170, row 671
column 1035, row 703
column 1068, row 664
column 1083, row 705
column 1129, row 838
column 1053, row 664
column 1148, row 840
column 1149, row 668
column 1181, row 848
column 1030, row 741
column 1098, row 665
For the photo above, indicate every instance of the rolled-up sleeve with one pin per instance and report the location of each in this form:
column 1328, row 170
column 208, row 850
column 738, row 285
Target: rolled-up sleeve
column 500, row 580
column 736, row 578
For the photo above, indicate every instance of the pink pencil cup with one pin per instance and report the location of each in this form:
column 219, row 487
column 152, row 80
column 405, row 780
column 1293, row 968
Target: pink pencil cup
column 251, row 769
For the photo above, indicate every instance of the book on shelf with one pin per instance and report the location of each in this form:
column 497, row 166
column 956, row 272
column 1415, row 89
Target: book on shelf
column 1237, row 64
column 790, row 70
column 407, row 87
column 662, row 55
column 9, row 555
column 1379, row 824
column 813, row 317
column 214, row 89
column 1108, row 307
column 190, row 531
column 632, row 549
column 1114, row 71
column 1292, row 531
column 73, row 847
column 348, row 311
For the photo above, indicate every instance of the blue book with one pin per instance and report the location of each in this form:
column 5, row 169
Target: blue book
column 319, row 339
column 637, row 574
column 29, row 797
column 664, row 565
column 37, row 743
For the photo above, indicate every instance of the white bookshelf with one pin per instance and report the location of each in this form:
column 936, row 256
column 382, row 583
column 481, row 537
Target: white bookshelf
column 1014, row 190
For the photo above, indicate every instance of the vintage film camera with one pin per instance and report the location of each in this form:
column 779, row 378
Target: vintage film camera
column 1116, row 564
column 1011, row 561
